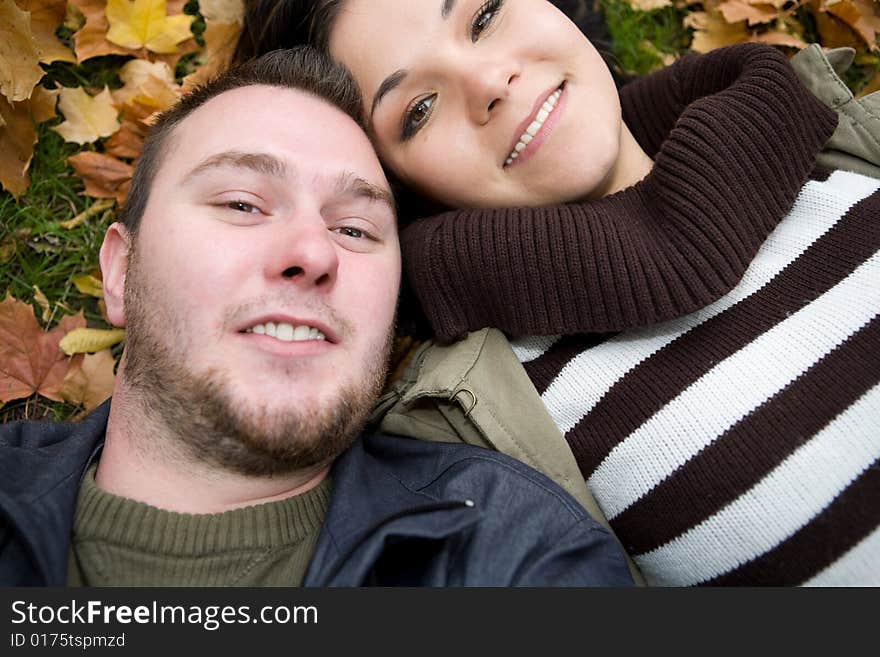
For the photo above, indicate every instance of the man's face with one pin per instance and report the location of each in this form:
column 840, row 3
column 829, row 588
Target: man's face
column 264, row 279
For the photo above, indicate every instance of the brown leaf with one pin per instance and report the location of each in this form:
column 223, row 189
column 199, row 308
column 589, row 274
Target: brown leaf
column 17, row 139
column 833, row 33
column 46, row 17
column 18, row 136
column 127, row 142
column 30, row 360
column 781, row 38
column 90, row 382
column 220, row 40
column 87, row 118
column 42, row 103
column 743, row 10
column 103, row 175
column 863, row 16
column 711, row 31
column 19, row 53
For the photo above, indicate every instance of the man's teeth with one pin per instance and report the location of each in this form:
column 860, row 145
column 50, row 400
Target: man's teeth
column 287, row 332
column 534, row 126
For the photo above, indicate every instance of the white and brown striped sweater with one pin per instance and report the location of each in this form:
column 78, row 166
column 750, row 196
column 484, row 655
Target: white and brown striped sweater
column 739, row 443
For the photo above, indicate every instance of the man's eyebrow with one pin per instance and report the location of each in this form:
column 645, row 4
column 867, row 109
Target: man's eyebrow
column 258, row 162
column 398, row 76
column 348, row 183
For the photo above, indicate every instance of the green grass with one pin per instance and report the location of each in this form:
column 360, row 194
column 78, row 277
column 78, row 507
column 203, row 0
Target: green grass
column 631, row 30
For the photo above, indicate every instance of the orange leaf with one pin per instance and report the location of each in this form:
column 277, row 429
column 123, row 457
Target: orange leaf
column 90, row 382
column 103, row 175
column 127, row 142
column 833, row 33
column 19, row 53
column 30, row 360
column 862, row 16
column 91, row 39
column 220, row 40
column 18, row 136
column 46, row 17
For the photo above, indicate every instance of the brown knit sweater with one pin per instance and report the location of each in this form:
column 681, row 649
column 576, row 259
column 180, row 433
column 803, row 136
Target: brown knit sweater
column 734, row 135
column 737, row 444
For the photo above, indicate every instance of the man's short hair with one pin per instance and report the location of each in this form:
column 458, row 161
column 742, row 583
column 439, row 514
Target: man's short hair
column 302, row 68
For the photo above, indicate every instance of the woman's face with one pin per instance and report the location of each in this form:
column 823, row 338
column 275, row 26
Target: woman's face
column 483, row 102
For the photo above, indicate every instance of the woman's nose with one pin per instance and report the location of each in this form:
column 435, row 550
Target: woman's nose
column 487, row 85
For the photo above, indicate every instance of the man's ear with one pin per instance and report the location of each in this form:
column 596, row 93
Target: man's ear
column 114, row 267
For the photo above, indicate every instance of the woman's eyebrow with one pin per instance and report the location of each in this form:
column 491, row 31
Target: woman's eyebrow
column 387, row 85
column 398, row 76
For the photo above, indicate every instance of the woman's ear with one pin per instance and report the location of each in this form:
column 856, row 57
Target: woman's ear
column 114, row 267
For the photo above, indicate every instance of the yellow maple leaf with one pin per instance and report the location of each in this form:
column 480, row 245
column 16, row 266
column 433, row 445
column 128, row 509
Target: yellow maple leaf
column 19, row 53
column 89, row 340
column 146, row 24
column 149, row 83
column 87, row 117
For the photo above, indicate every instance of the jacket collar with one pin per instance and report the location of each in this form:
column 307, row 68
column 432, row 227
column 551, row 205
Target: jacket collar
column 381, row 491
column 44, row 526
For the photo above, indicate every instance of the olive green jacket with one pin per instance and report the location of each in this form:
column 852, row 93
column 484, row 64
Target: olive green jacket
column 476, row 391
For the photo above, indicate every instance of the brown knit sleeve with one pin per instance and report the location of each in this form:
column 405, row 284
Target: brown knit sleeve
column 726, row 174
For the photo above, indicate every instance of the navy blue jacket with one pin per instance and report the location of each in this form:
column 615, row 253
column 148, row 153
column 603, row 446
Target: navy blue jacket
column 403, row 512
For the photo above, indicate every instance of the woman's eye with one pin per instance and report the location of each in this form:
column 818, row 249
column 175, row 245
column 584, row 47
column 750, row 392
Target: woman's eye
column 417, row 115
column 484, row 17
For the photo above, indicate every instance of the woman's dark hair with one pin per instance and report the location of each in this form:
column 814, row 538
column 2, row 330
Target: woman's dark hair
column 273, row 24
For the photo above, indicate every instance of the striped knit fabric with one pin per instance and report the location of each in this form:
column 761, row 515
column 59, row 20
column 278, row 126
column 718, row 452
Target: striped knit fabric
column 741, row 444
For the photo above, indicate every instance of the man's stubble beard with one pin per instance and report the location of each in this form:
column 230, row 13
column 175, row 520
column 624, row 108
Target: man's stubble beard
column 204, row 419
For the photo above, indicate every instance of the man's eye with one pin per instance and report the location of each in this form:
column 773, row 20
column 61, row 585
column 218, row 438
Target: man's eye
column 241, row 206
column 348, row 231
column 484, row 17
column 417, row 115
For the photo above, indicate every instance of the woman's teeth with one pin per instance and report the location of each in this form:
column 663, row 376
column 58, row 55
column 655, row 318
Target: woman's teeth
column 287, row 332
column 534, row 126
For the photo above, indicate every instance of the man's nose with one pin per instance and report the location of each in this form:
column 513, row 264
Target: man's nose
column 486, row 85
column 303, row 252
